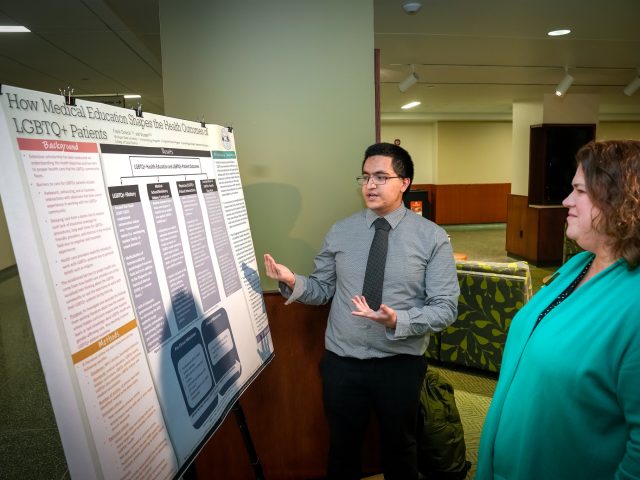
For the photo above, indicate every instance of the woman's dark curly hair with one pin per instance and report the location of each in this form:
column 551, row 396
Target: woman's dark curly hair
column 612, row 177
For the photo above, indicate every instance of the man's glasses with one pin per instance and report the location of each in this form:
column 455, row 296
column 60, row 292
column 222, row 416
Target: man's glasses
column 377, row 179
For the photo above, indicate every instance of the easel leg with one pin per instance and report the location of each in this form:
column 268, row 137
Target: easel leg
column 248, row 443
column 190, row 472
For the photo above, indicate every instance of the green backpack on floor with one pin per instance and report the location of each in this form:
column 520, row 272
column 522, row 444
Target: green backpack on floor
column 440, row 436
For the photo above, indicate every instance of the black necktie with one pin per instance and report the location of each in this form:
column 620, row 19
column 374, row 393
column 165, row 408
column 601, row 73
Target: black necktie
column 374, row 275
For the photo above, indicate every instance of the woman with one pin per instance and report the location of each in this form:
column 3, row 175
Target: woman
column 567, row 404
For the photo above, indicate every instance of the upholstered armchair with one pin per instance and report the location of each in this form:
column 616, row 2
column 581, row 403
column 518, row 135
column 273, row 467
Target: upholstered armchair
column 490, row 295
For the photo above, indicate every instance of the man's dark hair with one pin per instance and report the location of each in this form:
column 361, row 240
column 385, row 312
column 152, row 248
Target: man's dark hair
column 400, row 159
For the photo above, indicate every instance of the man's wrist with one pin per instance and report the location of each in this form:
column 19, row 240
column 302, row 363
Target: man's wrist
column 390, row 318
column 292, row 282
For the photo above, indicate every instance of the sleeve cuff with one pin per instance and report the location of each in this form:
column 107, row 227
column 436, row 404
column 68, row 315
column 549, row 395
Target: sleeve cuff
column 293, row 294
column 402, row 329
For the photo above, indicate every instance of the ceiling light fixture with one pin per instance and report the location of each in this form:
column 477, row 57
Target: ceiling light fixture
column 411, row 8
column 408, row 82
column 564, row 84
column 13, row 29
column 410, row 105
column 559, row 33
column 633, row 86
column 132, row 95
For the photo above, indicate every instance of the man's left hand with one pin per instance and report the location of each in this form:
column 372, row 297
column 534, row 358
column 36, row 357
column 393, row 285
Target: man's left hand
column 385, row 316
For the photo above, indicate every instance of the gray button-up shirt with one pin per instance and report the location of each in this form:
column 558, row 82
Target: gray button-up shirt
column 420, row 284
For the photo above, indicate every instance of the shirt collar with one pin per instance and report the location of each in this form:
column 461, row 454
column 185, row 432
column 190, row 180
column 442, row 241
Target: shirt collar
column 393, row 218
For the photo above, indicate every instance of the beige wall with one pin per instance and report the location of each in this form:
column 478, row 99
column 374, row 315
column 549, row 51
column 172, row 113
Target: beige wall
column 571, row 108
column 296, row 81
column 7, row 258
column 618, row 131
column 482, row 152
column 474, row 152
column 419, row 139
column 455, row 152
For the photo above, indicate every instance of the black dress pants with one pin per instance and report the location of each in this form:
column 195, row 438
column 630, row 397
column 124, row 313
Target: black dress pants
column 389, row 386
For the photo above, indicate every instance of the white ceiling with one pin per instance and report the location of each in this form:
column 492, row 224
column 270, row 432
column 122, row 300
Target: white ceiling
column 93, row 46
column 478, row 57
column 474, row 58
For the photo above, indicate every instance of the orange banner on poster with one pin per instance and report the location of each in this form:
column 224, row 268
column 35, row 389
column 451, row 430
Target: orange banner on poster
column 56, row 146
column 91, row 349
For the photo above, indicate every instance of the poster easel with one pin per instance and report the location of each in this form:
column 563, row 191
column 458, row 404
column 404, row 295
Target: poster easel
column 135, row 256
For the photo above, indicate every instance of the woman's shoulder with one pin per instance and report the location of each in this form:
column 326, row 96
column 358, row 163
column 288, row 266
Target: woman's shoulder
column 579, row 260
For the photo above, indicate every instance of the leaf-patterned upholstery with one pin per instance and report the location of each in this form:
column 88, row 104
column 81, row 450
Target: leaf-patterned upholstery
column 433, row 349
column 490, row 295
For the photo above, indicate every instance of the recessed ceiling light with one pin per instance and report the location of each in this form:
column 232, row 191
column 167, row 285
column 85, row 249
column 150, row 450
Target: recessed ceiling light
column 410, row 105
column 13, row 29
column 559, row 33
column 132, row 95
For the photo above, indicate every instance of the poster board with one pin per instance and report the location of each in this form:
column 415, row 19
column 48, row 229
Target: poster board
column 135, row 255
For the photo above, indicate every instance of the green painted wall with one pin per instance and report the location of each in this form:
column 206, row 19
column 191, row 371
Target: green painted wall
column 296, row 81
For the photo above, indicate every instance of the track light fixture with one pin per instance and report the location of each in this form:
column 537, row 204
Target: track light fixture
column 408, row 82
column 564, row 84
column 633, row 86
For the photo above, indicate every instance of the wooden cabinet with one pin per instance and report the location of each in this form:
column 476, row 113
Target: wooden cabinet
column 520, row 234
column 535, row 232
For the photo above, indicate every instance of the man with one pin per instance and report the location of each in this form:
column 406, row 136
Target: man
column 374, row 356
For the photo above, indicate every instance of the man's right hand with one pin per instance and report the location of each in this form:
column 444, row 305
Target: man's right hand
column 278, row 272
